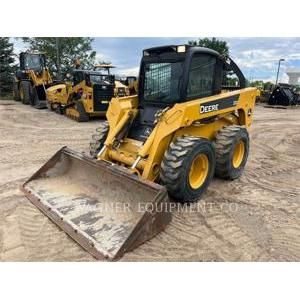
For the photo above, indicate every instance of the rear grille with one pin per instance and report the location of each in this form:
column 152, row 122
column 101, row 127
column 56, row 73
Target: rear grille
column 102, row 96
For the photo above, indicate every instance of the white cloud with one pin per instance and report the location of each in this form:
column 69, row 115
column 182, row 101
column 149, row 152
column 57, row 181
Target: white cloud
column 19, row 46
column 129, row 72
column 281, row 79
column 257, row 57
column 101, row 57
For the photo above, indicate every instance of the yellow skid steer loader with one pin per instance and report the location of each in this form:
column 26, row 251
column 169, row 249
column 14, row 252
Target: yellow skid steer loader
column 184, row 126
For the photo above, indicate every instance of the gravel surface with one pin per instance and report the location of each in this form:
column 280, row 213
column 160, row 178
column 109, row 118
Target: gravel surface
column 254, row 218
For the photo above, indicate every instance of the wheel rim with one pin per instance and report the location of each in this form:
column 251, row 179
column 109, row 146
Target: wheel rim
column 198, row 171
column 238, row 154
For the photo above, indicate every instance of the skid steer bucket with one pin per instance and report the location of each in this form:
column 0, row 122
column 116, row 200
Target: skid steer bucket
column 104, row 208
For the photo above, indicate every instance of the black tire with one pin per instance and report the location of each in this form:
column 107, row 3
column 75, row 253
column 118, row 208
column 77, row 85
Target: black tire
column 176, row 166
column 226, row 142
column 34, row 99
column 25, row 94
column 59, row 109
column 83, row 116
column 98, row 139
column 16, row 91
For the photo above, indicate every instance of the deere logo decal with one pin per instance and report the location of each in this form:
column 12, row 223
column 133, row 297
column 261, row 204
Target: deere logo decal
column 219, row 104
column 208, row 108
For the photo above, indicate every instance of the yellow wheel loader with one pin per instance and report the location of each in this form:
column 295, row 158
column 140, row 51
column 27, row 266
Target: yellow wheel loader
column 32, row 79
column 87, row 95
column 168, row 142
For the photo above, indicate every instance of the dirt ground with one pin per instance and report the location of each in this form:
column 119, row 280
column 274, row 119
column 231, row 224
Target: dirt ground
column 254, row 218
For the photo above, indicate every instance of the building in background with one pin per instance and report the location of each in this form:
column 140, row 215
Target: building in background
column 294, row 75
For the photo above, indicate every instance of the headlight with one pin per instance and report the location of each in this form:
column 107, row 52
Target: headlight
column 181, row 49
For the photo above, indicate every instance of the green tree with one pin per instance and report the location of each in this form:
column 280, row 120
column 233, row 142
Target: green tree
column 212, row 43
column 70, row 49
column 257, row 83
column 7, row 66
column 267, row 86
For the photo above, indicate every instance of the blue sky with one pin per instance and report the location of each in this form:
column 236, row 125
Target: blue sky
column 257, row 57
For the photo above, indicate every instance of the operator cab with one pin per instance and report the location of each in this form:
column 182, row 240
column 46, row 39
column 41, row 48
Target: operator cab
column 175, row 74
column 32, row 61
column 92, row 77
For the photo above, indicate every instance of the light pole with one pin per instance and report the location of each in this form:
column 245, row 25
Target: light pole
column 57, row 59
column 280, row 60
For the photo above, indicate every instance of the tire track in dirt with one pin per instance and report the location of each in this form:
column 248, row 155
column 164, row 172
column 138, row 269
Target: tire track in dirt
column 286, row 243
column 43, row 240
column 269, row 187
column 201, row 236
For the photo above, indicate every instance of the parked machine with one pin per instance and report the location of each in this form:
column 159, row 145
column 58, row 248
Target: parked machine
column 284, row 95
column 168, row 141
column 32, row 79
column 121, row 89
column 87, row 94
column 132, row 84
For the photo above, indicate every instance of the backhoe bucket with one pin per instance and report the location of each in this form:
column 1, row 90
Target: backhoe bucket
column 107, row 210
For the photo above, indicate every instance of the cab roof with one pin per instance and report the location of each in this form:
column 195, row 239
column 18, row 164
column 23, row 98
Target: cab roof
column 179, row 49
column 90, row 72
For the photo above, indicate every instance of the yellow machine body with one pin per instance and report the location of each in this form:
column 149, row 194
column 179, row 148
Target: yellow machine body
column 32, row 79
column 61, row 94
column 43, row 78
column 82, row 98
column 182, row 119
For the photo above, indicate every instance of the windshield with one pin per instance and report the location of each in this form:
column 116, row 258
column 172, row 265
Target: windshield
column 34, row 61
column 162, row 81
column 101, row 79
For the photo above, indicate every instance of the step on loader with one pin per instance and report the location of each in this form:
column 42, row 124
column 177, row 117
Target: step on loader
column 185, row 125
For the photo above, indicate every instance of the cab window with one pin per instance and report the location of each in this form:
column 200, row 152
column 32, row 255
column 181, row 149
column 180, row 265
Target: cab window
column 201, row 76
column 78, row 77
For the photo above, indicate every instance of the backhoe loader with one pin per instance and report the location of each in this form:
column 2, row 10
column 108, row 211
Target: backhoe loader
column 87, row 95
column 32, row 79
column 166, row 143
